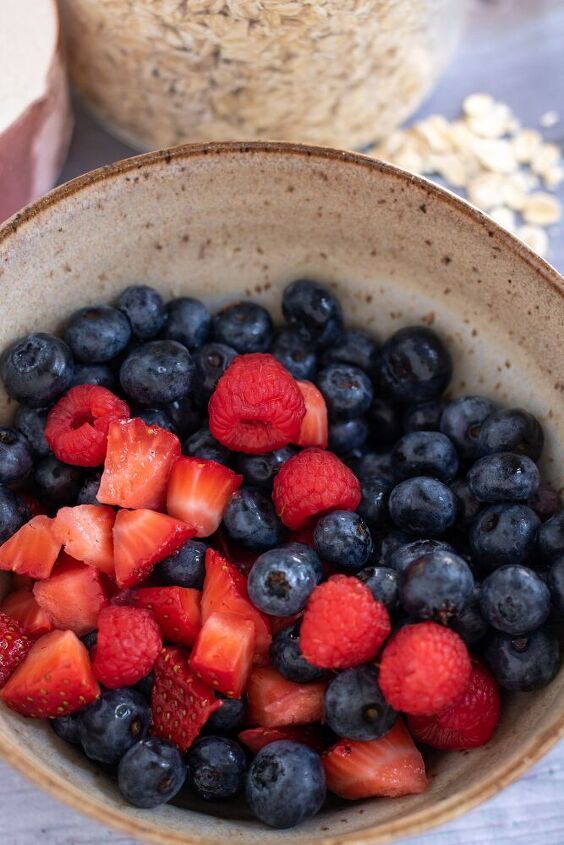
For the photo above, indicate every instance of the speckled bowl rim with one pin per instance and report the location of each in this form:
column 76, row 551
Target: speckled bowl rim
column 35, row 770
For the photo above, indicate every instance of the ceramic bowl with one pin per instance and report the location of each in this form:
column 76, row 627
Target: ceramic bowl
column 232, row 221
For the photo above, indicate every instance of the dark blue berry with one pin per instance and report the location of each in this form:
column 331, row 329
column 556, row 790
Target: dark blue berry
column 383, row 583
column 66, row 727
column 355, row 707
column 282, row 579
column 113, row 723
column 347, row 390
column 202, row 444
column 469, row 622
column 404, row 555
column 229, row 717
column 156, row 416
column 185, row 415
column 437, row 585
column 89, row 490
column 145, row 310
column 545, row 501
column 522, row 664
column 296, row 354
column 16, row 460
column 188, row 322
column 211, row 360
column 551, row 537
column 503, row 534
column 97, row 334
column 512, row 430
column 31, row 422
column 423, row 416
column 314, row 311
column 98, row 374
column 245, row 326
column 513, row 599
column 13, row 513
column 216, row 767
column 185, row 567
column 90, row 640
column 36, row 369
column 250, row 519
column 354, row 347
column 425, row 453
column 503, row 477
column 347, row 435
column 57, row 483
column 556, row 583
column 151, row 773
column 159, row 371
column 373, row 507
column 260, row 470
column 468, row 506
column 423, row 505
column 415, row 365
column 285, row 784
column 343, row 539
column 384, row 421
column 145, row 685
column 374, row 465
column 390, row 543
column 287, row 658
column 462, row 421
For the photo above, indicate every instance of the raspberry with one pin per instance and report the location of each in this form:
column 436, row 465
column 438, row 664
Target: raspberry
column 469, row 722
column 311, row 484
column 257, row 406
column 129, row 642
column 343, row 624
column 77, row 427
column 424, row 668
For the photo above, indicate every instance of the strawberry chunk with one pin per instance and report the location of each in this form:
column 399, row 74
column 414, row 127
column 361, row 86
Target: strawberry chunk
column 142, row 538
column 32, row 550
column 389, row 767
column 55, row 679
column 176, row 609
column 199, row 492
column 72, row 597
column 181, row 704
column 129, row 642
column 137, row 466
column 242, row 558
column 223, row 654
column 257, row 738
column 22, row 607
column 14, row 646
column 86, row 534
column 77, row 426
column 314, row 429
column 275, row 701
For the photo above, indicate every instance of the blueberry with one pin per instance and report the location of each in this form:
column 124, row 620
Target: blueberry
column 188, row 322
column 503, row 477
column 503, row 534
column 145, row 310
column 151, row 773
column 355, row 707
column 202, row 444
column 66, row 727
column 523, row 663
column 514, row 600
column 423, row 416
column 97, row 374
column 211, row 360
column 90, row 640
column 462, row 421
column 282, row 579
column 97, row 334
column 285, row 784
column 469, row 623
column 354, row 347
column 245, row 326
column 314, row 311
column 437, row 585
column 184, row 567
column 89, row 490
column 113, row 723
column 229, row 717
column 57, row 483
column 384, row 421
column 424, row 453
column 216, row 767
column 16, row 460
column 347, row 435
column 415, row 365
column 260, row 470
column 374, row 465
column 545, row 501
column 156, row 416
column 185, row 415
column 342, row 539
column 556, row 583
column 551, row 537
column 250, row 519
column 31, row 422
column 382, row 581
column 423, row 506
column 468, row 505
column 13, row 513
column 145, row 686
column 296, row 354
column 373, row 507
column 159, row 371
column 404, row 555
column 287, row 658
column 511, row 430
column 390, row 543
column 36, row 369
column 347, row 390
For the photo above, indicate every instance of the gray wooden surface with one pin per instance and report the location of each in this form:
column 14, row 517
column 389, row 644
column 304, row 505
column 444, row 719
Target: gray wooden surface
column 513, row 49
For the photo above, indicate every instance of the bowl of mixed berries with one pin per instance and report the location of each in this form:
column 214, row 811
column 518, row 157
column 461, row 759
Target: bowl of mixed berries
column 266, row 560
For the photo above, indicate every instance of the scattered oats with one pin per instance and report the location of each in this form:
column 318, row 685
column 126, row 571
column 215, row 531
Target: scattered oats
column 547, row 157
column 409, row 160
column 496, row 154
column 549, row 118
column 542, row 209
column 435, row 131
column 477, row 104
column 493, row 123
column 553, row 177
column 462, row 138
column 486, row 190
column 525, row 144
column 453, row 168
column 535, row 237
column 514, row 190
column 503, row 216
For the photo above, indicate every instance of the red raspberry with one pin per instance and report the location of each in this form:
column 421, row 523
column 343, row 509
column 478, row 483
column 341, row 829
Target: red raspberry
column 14, row 646
column 77, row 427
column 312, row 483
column 257, row 406
column 343, row 624
column 129, row 641
column 424, row 668
column 469, row 722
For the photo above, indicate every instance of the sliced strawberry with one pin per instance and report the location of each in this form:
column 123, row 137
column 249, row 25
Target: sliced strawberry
column 32, row 550
column 137, row 465
column 22, row 607
column 14, row 646
column 176, row 609
column 199, row 491
column 72, row 597
column 225, row 590
column 389, row 767
column 128, row 643
column 223, row 654
column 55, row 679
column 314, row 429
column 257, row 738
column 180, row 703
column 86, row 533
column 242, row 558
column 22, row 582
column 142, row 538
column 274, row 701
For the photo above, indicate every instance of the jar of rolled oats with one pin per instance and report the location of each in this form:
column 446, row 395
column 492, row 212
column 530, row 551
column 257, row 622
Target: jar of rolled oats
column 337, row 72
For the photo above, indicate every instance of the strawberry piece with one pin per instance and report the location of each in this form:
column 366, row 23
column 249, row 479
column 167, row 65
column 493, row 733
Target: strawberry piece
column 242, row 558
column 86, row 534
column 22, row 607
column 223, row 654
column 55, row 679
column 77, row 426
column 275, row 701
column 225, row 590
column 278, row 623
column 199, row 492
column 137, row 465
column 128, row 643
column 22, row 582
column 312, row 483
column 180, row 703
column 314, row 430
column 256, row 406
column 72, row 597
column 176, row 609
column 14, row 646
column 257, row 738
column 32, row 550
column 142, row 538
column 389, row 767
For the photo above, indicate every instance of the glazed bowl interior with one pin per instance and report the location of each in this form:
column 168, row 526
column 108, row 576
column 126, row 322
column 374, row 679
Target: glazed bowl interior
column 229, row 221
